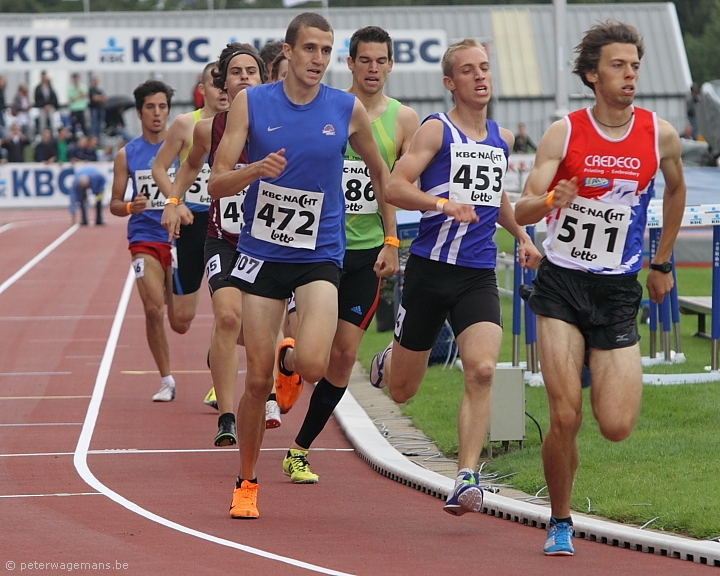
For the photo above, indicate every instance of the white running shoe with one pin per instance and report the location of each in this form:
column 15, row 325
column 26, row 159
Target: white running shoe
column 165, row 394
column 272, row 415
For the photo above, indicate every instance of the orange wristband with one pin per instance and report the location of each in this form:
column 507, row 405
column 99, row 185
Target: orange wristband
column 549, row 199
column 392, row 241
column 440, row 206
column 173, row 201
column 128, row 207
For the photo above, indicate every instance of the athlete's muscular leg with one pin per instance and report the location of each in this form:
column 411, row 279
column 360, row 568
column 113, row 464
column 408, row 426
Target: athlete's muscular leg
column 616, row 400
column 404, row 371
column 343, row 353
column 561, row 348
column 479, row 346
column 183, row 310
column 227, row 308
column 317, row 321
column 261, row 322
column 151, row 287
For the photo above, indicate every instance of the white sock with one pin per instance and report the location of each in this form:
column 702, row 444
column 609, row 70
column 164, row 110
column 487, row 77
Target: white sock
column 168, row 381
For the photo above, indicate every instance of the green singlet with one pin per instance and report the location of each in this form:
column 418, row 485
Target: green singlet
column 365, row 231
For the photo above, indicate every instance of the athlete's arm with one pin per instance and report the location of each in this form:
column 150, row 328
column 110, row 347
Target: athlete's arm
column 185, row 176
column 407, row 123
column 175, row 143
column 402, row 191
column 118, row 205
column 659, row 284
column 532, row 207
column 362, row 141
column 224, row 180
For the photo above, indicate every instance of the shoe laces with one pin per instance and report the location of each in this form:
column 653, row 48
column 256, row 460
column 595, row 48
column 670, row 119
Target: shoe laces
column 299, row 463
column 562, row 533
column 245, row 495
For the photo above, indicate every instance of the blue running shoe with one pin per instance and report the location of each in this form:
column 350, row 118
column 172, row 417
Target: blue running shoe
column 376, row 368
column 559, row 539
column 467, row 496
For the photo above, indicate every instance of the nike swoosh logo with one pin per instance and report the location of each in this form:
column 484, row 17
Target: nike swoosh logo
column 273, row 129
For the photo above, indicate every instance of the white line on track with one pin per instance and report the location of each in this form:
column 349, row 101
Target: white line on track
column 20, row 273
column 82, row 448
column 8, row 226
column 45, row 424
column 35, row 373
column 44, row 495
column 232, row 449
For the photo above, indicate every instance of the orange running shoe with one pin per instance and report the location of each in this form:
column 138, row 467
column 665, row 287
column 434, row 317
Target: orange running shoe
column 287, row 388
column 244, row 501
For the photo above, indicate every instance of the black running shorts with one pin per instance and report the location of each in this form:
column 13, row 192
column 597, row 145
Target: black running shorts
column 187, row 277
column 603, row 307
column 359, row 288
column 434, row 291
column 277, row 280
column 219, row 259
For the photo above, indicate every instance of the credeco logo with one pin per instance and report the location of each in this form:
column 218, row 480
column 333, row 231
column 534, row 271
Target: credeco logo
column 612, row 162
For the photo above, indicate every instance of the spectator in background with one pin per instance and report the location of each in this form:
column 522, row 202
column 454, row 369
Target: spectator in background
column 46, row 102
column 15, row 143
column 688, row 133
column 269, row 52
column 87, row 179
column 77, row 103
column 21, row 107
column 115, row 123
column 523, row 144
column 62, row 145
column 691, row 101
column 92, row 148
column 3, row 105
column 97, row 107
column 46, row 149
column 197, row 95
column 82, row 150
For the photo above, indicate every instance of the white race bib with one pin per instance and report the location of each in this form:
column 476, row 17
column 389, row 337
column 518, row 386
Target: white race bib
column 213, row 266
column 286, row 216
column 592, row 233
column 197, row 193
column 144, row 184
column 477, row 172
column 357, row 188
column 247, row 268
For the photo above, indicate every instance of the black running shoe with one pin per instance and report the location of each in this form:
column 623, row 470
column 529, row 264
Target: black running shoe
column 227, row 434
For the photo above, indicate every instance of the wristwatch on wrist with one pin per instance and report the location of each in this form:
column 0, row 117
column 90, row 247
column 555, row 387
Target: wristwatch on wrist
column 665, row 267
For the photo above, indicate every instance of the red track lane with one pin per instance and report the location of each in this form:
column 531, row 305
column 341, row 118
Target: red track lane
column 57, row 319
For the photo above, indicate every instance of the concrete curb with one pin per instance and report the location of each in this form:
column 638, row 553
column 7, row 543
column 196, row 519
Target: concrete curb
column 374, row 449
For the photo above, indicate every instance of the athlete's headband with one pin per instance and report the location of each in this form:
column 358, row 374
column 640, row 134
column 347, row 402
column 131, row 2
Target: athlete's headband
column 261, row 64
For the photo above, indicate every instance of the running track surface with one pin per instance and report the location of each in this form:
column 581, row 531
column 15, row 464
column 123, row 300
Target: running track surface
column 55, row 324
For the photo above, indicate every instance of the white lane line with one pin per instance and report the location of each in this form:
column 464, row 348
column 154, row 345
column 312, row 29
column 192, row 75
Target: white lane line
column 232, row 449
column 44, row 424
column 20, row 273
column 35, row 373
column 42, row 397
column 8, row 226
column 44, row 495
column 83, row 445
